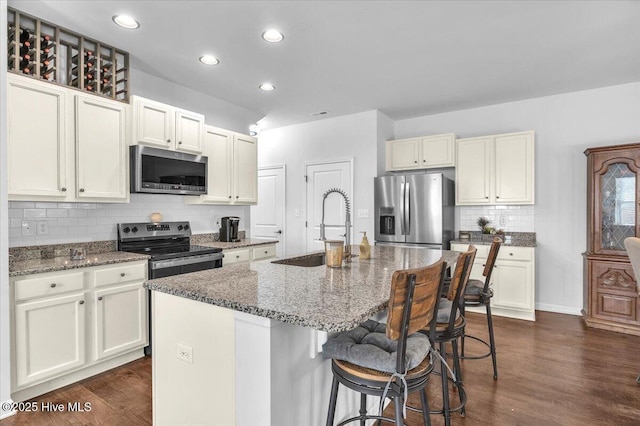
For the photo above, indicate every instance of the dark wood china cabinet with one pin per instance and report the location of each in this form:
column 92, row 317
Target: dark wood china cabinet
column 610, row 292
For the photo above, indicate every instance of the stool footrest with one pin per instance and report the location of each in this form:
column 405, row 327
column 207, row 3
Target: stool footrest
column 488, row 354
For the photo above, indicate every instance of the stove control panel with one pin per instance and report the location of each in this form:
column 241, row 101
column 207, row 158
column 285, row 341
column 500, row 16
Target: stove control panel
column 151, row 230
column 161, row 227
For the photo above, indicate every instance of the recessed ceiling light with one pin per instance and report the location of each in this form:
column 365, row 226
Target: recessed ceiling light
column 126, row 21
column 272, row 36
column 267, row 87
column 209, row 60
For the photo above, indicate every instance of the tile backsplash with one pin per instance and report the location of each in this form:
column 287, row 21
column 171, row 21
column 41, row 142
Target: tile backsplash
column 509, row 218
column 80, row 222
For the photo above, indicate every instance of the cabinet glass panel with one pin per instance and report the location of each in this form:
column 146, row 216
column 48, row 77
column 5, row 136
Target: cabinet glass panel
column 618, row 220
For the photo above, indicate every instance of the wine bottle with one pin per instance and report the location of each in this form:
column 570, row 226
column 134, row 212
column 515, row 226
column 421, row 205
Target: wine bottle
column 24, row 36
column 26, row 52
column 48, row 74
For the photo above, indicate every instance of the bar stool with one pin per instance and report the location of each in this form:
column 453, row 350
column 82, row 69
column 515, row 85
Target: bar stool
column 480, row 293
column 392, row 360
column 632, row 244
column 449, row 328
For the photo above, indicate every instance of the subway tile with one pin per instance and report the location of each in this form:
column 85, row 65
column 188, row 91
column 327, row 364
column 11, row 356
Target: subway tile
column 15, row 213
column 35, row 213
column 66, row 205
column 15, row 223
column 86, row 206
column 22, row 205
column 67, row 221
column 78, row 212
column 86, row 221
column 57, row 212
column 46, row 205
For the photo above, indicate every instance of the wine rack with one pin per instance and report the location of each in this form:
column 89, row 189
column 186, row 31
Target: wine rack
column 48, row 52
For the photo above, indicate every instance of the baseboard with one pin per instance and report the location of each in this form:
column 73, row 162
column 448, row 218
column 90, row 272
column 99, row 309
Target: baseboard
column 560, row 309
column 4, row 414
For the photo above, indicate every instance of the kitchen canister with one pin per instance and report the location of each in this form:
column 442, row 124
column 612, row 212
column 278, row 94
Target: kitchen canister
column 334, row 250
column 78, row 253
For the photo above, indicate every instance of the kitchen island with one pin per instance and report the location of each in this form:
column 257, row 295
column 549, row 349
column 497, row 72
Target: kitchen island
column 239, row 345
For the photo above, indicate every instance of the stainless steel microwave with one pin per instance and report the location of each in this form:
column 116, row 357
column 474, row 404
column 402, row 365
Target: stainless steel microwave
column 159, row 171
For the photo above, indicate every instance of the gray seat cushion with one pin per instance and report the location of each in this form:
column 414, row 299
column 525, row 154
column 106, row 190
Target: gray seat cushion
column 444, row 310
column 368, row 346
column 474, row 287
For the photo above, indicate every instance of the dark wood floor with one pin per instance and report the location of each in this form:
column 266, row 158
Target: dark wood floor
column 552, row 372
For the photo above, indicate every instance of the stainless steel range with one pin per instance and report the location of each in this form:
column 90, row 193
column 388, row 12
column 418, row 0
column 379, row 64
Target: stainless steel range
column 169, row 245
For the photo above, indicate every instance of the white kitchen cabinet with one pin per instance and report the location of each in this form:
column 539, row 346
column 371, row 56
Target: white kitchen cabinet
column 496, row 169
column 247, row 254
column 421, row 153
column 69, row 325
column 65, row 146
column 101, row 149
column 164, row 126
column 49, row 337
column 232, row 168
column 512, row 280
column 37, row 139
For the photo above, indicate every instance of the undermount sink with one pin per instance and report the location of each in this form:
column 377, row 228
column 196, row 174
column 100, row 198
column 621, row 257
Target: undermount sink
column 307, row 260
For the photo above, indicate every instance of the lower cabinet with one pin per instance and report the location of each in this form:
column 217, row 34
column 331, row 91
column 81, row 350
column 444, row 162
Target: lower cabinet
column 69, row 322
column 248, row 254
column 512, row 280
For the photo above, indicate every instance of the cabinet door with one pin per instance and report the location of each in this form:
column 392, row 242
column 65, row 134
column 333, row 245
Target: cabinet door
column 402, row 154
column 513, row 285
column 473, row 171
column 218, row 147
column 235, row 256
column 245, row 169
column 152, row 123
column 120, row 319
column 102, row 171
column 189, row 131
column 514, row 161
column 50, row 337
column 438, row 151
column 37, row 139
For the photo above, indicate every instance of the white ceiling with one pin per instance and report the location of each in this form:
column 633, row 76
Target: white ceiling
column 404, row 58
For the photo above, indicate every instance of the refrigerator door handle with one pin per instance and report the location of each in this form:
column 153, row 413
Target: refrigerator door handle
column 407, row 209
column 402, row 214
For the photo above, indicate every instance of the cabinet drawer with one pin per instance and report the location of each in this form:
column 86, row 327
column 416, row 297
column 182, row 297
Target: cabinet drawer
column 47, row 285
column 121, row 273
column 515, row 253
column 613, row 277
column 264, row 252
column 482, row 253
column 234, row 256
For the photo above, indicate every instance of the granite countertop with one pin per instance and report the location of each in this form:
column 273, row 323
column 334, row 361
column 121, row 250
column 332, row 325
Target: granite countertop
column 245, row 242
column 518, row 239
column 37, row 266
column 323, row 298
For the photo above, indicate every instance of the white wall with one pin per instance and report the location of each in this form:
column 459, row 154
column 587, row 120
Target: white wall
column 351, row 136
column 5, row 364
column 565, row 126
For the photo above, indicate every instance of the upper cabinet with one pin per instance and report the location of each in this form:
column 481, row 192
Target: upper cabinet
column 232, row 169
column 421, row 153
column 65, row 146
column 160, row 125
column 497, row 169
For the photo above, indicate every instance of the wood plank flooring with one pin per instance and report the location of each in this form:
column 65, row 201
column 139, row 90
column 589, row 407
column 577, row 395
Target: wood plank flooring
column 555, row 371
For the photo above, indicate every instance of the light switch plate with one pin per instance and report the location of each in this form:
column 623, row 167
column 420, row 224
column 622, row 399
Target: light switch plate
column 185, row 353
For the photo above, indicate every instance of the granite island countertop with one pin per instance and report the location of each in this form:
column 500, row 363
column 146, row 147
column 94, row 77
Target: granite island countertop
column 62, row 263
column 323, row 298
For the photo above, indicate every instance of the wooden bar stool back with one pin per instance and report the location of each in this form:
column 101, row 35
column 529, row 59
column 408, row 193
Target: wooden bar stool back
column 413, row 303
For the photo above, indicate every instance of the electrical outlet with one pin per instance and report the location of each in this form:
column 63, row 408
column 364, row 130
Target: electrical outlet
column 43, row 227
column 28, row 227
column 503, row 220
column 217, row 219
column 297, row 212
column 363, row 213
column 185, row 353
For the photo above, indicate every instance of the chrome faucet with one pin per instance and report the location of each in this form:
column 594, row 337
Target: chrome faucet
column 347, row 223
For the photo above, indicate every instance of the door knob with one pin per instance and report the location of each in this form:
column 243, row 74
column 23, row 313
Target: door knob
column 279, row 231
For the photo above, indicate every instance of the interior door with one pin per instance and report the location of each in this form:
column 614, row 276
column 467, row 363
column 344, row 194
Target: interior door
column 320, row 178
column 267, row 217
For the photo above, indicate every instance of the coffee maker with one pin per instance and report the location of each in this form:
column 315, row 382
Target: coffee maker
column 229, row 229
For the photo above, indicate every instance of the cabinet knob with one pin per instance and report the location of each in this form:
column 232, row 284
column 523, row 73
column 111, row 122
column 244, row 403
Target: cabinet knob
column 415, row 161
column 99, row 297
column 53, row 285
column 237, row 196
column 266, row 251
column 424, row 161
column 63, row 189
column 81, row 189
column 237, row 256
column 81, row 302
column 122, row 274
column 486, row 198
column 180, row 143
column 168, row 140
column 229, row 196
column 497, row 197
column 510, row 254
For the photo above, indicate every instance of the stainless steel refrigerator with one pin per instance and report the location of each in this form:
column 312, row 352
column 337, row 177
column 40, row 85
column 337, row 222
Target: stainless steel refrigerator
column 414, row 209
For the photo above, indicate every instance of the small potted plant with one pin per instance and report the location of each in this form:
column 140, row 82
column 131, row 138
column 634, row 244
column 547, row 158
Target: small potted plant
column 486, row 230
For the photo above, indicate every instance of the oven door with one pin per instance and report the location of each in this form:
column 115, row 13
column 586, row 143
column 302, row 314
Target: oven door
column 184, row 265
